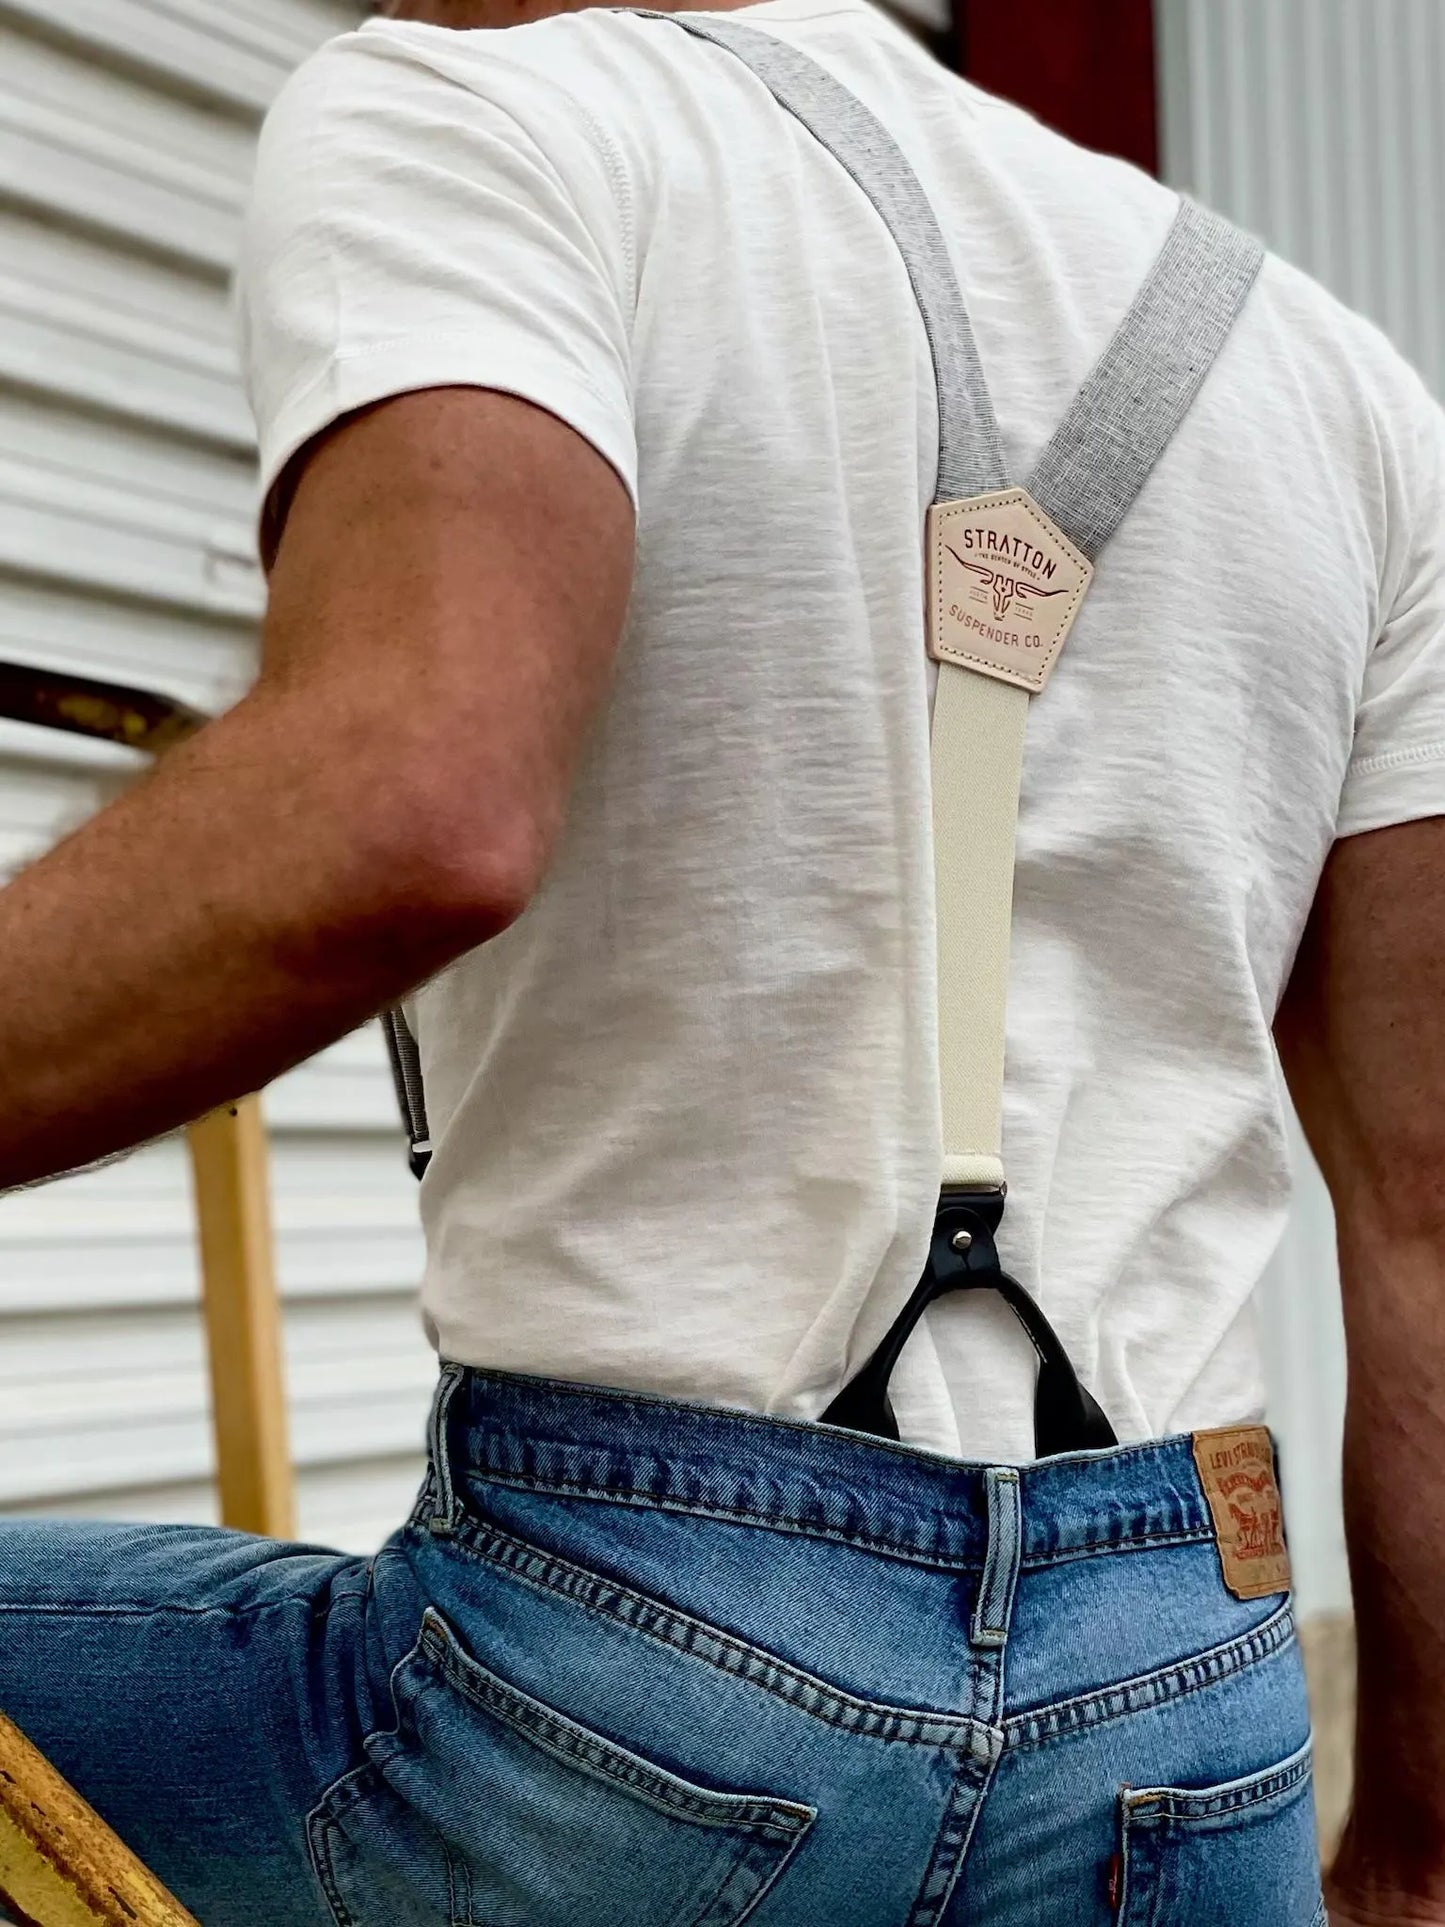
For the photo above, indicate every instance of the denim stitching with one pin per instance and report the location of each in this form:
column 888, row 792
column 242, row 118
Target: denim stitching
column 994, row 1605
column 777, row 1522
column 1146, row 1804
column 425, row 1499
column 321, row 1824
column 346, row 1790
column 455, row 1915
column 1139, row 1695
column 1133, row 1542
column 578, row 1746
column 950, row 1846
column 724, row 1652
column 445, row 1510
column 769, row 1821
column 773, row 1521
column 723, row 1909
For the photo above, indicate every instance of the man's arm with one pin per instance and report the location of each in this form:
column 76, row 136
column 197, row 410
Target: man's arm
column 385, row 798
column 1362, row 1035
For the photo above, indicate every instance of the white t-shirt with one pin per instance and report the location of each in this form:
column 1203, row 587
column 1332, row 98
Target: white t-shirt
column 686, row 1111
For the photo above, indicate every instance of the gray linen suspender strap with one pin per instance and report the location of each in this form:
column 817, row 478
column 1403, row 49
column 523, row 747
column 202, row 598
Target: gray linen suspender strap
column 1084, row 485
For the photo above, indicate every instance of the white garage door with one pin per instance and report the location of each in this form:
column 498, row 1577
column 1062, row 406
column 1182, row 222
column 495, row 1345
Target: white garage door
column 126, row 129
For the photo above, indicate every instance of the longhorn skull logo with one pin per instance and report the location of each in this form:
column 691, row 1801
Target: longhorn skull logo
column 1007, row 589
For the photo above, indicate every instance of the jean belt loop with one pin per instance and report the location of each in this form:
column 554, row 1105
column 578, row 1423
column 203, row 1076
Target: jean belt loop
column 994, row 1606
column 443, row 1521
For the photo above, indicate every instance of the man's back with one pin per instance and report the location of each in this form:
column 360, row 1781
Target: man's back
column 657, row 1658
column 686, row 1109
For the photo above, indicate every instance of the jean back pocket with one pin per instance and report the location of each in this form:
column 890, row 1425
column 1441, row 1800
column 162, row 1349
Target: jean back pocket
column 1244, row 1852
column 485, row 1808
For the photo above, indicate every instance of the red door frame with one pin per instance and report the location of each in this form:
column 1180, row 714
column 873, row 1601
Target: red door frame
column 1086, row 67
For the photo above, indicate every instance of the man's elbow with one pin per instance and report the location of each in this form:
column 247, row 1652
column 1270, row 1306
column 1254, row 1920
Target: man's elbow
column 449, row 869
column 475, row 877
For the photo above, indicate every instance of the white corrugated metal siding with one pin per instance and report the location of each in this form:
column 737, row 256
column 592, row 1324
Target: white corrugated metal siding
column 126, row 500
column 1316, row 123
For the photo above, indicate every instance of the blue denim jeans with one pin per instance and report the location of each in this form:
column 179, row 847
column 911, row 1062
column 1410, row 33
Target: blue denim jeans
column 636, row 1663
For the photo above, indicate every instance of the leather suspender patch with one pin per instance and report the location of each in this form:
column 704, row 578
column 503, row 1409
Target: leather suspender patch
column 1236, row 1469
column 1005, row 584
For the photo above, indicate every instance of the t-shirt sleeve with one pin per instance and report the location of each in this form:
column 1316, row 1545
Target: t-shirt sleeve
column 1397, row 769
column 414, row 227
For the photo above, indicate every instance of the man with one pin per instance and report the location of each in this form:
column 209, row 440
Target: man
column 598, row 426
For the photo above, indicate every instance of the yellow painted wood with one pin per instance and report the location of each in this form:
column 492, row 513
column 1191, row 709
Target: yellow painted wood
column 60, row 1864
column 243, row 1320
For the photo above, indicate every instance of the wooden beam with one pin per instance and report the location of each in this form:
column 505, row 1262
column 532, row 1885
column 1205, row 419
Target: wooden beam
column 228, row 1155
column 1087, row 67
column 60, row 1864
column 243, row 1320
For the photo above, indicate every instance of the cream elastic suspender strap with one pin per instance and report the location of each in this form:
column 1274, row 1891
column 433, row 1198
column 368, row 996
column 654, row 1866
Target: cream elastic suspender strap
column 1086, row 482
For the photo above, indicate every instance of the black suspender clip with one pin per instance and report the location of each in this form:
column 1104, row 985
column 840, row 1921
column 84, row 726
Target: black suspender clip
column 963, row 1256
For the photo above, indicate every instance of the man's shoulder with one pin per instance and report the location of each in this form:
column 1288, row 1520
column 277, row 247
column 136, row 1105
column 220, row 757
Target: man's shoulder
column 1325, row 329
column 448, row 102
column 1358, row 401
column 538, row 70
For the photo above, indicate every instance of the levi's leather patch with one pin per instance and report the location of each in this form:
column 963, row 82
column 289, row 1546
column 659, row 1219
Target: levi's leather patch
column 1236, row 1469
column 1004, row 586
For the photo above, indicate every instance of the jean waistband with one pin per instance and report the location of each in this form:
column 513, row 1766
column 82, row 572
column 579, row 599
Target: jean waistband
column 640, row 1449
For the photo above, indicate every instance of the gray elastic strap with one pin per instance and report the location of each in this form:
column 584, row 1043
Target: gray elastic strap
column 1129, row 408
column 410, row 1096
column 1145, row 382
column 970, row 448
column 1110, row 441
